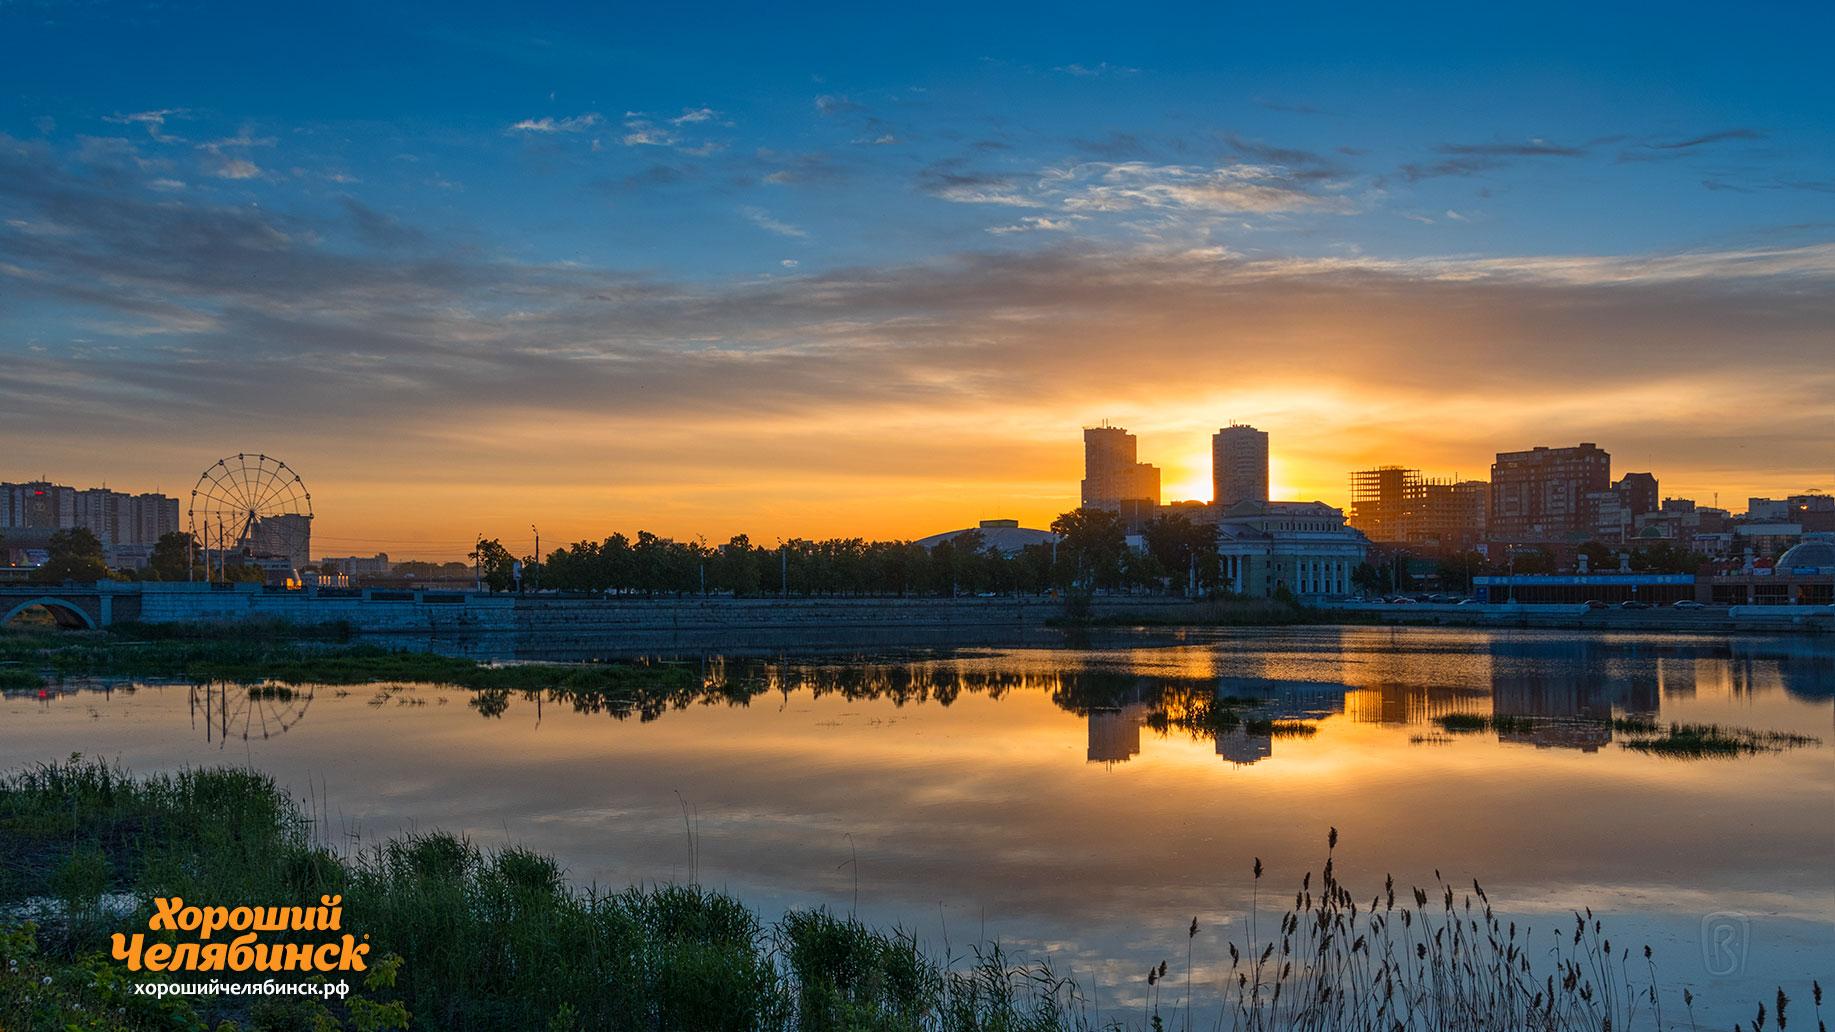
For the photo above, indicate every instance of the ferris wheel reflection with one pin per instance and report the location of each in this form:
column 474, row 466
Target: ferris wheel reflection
column 246, row 712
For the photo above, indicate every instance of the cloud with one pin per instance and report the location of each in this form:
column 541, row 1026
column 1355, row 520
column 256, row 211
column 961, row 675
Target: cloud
column 695, row 116
column 829, row 105
column 1099, row 70
column 640, row 131
column 791, row 169
column 154, row 121
column 1470, row 159
column 1289, row 107
column 380, row 230
column 1707, row 138
column 950, row 181
column 1667, row 150
column 763, row 220
column 1037, row 223
column 225, row 167
column 180, row 304
column 1298, row 162
column 548, row 125
column 1525, row 149
column 1228, row 189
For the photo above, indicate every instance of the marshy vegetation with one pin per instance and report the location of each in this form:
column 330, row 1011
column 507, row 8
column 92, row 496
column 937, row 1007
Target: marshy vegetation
column 1684, row 741
column 275, row 658
column 500, row 940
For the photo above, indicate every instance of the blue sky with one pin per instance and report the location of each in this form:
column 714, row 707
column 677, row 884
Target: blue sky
column 511, row 169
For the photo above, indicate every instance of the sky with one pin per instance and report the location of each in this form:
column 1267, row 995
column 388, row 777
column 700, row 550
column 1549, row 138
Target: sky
column 716, row 269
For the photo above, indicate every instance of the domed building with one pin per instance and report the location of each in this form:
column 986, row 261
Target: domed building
column 1804, row 576
column 1816, row 554
column 1004, row 536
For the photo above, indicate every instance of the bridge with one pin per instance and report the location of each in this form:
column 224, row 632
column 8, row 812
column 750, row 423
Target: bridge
column 73, row 606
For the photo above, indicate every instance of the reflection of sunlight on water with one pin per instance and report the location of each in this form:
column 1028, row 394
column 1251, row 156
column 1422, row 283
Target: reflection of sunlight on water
column 1034, row 791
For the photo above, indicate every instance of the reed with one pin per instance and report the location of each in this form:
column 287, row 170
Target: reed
column 497, row 939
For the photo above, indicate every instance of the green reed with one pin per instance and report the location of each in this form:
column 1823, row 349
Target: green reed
column 468, row 938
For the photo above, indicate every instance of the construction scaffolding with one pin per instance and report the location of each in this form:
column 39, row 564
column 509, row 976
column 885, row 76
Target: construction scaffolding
column 1397, row 505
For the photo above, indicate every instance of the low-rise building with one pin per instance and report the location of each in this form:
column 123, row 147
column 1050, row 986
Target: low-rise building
column 1302, row 547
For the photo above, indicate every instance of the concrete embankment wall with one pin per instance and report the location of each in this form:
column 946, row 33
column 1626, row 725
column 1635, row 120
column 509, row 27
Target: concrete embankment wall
column 549, row 625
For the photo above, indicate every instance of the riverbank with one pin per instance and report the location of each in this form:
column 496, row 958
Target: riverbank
column 287, row 655
column 464, row 938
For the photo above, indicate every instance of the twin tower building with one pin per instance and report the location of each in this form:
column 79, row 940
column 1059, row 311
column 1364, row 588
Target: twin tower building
column 1264, row 547
column 1115, row 479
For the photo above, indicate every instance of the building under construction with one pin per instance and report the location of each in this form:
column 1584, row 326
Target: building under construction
column 1397, row 505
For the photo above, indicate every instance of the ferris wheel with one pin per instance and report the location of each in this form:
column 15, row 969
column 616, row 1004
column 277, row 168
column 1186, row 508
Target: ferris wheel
column 254, row 506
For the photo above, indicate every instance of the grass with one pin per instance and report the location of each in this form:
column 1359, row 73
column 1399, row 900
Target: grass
column 272, row 660
column 1709, row 740
column 473, row 939
column 1682, row 741
column 487, row 940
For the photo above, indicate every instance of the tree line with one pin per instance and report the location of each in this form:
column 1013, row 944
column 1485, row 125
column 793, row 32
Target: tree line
column 1091, row 552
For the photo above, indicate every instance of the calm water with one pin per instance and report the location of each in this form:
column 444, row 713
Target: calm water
column 1027, row 795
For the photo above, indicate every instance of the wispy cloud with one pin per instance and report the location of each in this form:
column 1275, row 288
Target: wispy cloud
column 154, row 121
column 549, row 125
column 640, row 131
column 763, row 220
column 1707, row 138
column 1037, row 223
column 1099, row 70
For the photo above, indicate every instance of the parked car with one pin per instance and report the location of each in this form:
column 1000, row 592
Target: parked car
column 1688, row 603
column 1401, row 600
column 1633, row 604
column 1466, row 602
column 1593, row 603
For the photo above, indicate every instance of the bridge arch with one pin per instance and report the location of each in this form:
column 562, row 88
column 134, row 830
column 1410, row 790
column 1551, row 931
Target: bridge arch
column 69, row 615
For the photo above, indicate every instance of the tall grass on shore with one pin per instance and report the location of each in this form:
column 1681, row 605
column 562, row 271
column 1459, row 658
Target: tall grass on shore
column 499, row 940
column 487, row 940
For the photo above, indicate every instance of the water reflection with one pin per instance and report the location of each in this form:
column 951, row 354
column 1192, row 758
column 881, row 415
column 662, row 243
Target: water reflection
column 1072, row 802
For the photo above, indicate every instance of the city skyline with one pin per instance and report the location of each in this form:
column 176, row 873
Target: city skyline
column 859, row 276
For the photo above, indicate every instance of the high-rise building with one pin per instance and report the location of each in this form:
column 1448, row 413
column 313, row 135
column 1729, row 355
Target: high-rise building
column 1396, row 505
column 1637, row 492
column 1113, row 477
column 1379, row 501
column 128, row 526
column 1540, row 495
column 1239, row 466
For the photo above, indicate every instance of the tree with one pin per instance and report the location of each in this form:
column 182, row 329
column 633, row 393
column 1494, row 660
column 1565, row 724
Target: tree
column 493, row 562
column 1091, row 546
column 1458, row 569
column 1665, row 557
column 171, row 559
column 1182, row 547
column 1370, row 579
column 1531, row 560
column 1600, row 557
column 76, row 555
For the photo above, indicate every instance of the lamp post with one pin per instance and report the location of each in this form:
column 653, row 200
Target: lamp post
column 538, row 556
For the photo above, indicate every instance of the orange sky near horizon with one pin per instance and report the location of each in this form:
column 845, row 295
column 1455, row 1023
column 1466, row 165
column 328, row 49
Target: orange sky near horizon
column 896, row 477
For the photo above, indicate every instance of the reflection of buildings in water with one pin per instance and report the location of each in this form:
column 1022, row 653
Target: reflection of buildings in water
column 1239, row 745
column 1577, row 677
column 1402, row 703
column 1398, row 686
column 1803, row 666
column 1585, row 735
column 1115, row 734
